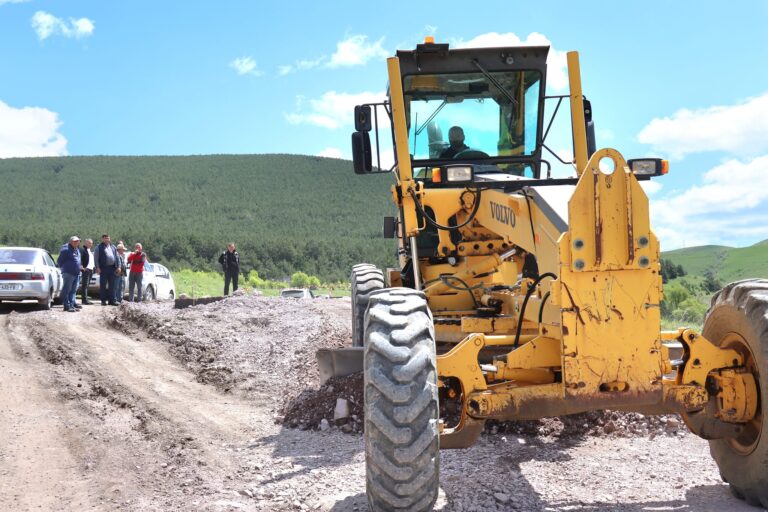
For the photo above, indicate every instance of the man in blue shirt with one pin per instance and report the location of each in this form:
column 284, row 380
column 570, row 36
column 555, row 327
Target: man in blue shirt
column 69, row 263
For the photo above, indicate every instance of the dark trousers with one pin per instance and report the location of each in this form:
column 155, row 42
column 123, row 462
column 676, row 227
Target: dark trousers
column 230, row 275
column 107, row 285
column 86, row 280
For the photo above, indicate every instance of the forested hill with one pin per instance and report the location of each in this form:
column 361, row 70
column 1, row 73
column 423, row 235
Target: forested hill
column 724, row 263
column 284, row 212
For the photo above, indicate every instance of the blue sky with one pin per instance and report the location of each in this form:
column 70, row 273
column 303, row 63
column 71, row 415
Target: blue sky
column 681, row 80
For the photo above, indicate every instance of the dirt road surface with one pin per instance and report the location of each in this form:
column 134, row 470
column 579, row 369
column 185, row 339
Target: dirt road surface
column 149, row 408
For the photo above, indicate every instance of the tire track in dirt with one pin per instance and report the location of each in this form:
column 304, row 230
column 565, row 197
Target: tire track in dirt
column 38, row 468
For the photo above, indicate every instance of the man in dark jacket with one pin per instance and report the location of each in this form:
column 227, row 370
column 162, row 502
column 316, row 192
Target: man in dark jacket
column 106, row 266
column 230, row 264
column 88, row 263
column 69, row 263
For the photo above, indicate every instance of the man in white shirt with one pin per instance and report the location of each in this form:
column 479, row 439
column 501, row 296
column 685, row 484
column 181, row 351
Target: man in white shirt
column 88, row 263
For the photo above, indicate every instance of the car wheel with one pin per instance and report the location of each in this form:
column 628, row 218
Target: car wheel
column 149, row 295
column 47, row 303
column 171, row 296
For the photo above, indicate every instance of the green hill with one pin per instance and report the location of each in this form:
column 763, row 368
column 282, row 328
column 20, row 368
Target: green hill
column 726, row 263
column 284, row 212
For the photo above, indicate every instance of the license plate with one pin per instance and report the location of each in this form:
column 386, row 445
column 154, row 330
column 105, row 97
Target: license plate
column 10, row 287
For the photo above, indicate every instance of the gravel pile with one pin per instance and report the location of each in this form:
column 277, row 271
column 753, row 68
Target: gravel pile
column 232, row 342
column 257, row 345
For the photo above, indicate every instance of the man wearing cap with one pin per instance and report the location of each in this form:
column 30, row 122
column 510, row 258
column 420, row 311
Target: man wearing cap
column 69, row 263
column 106, row 266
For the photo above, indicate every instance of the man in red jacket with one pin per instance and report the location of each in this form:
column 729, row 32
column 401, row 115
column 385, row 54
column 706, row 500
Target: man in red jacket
column 136, row 261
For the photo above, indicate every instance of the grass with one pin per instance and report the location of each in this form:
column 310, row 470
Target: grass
column 196, row 283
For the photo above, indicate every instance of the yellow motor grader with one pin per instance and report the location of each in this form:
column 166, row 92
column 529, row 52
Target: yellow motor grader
column 502, row 310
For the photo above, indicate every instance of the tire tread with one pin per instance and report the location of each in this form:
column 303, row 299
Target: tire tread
column 401, row 409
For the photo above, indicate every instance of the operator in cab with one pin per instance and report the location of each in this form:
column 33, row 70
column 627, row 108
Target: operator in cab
column 456, row 140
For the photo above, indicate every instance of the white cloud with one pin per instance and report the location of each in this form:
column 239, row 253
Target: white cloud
column 333, row 109
column 738, row 129
column 12, row 1
column 353, row 51
column 331, row 153
column 245, row 66
column 651, row 187
column 30, row 131
column 557, row 70
column 730, row 206
column 47, row 25
column 356, row 51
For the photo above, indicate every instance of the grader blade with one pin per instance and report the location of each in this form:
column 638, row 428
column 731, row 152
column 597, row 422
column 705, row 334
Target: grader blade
column 339, row 362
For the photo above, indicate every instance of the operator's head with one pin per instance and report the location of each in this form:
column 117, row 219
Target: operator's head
column 456, row 136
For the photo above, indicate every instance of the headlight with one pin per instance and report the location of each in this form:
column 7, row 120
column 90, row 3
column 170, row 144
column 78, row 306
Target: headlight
column 648, row 166
column 458, row 173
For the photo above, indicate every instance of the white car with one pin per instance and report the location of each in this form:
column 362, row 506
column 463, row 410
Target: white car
column 27, row 273
column 161, row 280
column 156, row 283
column 297, row 293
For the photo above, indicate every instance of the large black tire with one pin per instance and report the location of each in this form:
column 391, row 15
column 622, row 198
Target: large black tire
column 366, row 279
column 738, row 318
column 401, row 409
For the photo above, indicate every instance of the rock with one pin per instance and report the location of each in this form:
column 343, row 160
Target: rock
column 324, row 425
column 609, row 427
column 341, row 412
column 501, row 497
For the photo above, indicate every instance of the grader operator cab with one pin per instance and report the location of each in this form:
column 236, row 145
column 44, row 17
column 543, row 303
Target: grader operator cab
column 500, row 309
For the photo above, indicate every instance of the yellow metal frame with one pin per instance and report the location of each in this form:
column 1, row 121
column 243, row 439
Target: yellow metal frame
column 599, row 342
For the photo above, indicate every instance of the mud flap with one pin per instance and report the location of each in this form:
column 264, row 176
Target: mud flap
column 339, row 362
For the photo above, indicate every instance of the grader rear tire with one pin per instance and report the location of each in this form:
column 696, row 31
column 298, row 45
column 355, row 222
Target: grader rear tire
column 365, row 279
column 738, row 318
column 401, row 409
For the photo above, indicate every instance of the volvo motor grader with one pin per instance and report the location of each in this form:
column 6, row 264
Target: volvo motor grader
column 502, row 310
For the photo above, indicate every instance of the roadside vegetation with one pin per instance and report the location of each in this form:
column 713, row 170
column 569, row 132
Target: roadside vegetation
column 197, row 283
column 692, row 276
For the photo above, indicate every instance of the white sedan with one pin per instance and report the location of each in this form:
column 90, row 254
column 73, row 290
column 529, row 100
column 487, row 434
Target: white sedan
column 27, row 273
column 156, row 283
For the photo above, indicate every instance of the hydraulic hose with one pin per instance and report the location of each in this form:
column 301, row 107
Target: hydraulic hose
column 525, row 303
column 434, row 223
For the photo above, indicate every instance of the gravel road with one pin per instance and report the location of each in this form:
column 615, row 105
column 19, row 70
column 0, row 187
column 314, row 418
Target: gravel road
column 150, row 408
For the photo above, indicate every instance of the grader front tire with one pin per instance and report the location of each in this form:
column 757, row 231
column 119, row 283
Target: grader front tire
column 738, row 319
column 365, row 279
column 401, row 408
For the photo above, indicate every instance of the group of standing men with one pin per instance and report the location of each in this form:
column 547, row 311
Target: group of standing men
column 78, row 264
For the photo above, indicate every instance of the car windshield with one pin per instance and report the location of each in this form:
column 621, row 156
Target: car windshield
column 472, row 115
column 18, row 256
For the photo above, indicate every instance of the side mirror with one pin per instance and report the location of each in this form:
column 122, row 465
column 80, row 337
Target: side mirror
column 390, row 227
column 361, row 152
column 590, row 128
column 363, row 118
